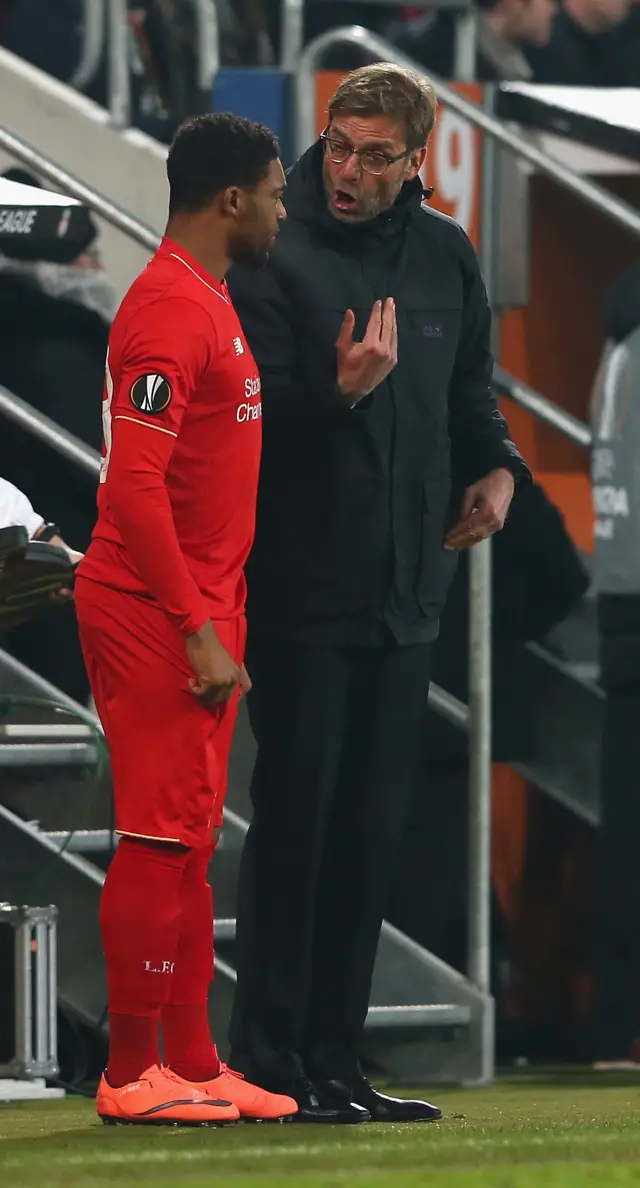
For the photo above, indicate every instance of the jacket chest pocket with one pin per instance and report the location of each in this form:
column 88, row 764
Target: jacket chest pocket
column 430, row 339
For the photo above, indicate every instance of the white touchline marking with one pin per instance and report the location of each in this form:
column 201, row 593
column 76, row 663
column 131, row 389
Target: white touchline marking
column 145, row 424
column 550, row 1137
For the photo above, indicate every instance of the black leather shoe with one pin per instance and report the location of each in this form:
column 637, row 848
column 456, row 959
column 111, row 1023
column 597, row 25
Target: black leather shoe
column 379, row 1106
column 310, row 1107
column 316, row 1107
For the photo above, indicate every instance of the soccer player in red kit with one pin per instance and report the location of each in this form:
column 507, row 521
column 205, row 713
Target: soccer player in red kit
column 160, row 598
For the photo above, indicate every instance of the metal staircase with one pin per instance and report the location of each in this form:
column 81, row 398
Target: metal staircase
column 426, row 1021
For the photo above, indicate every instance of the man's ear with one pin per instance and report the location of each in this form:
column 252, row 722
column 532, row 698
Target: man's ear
column 232, row 201
column 416, row 161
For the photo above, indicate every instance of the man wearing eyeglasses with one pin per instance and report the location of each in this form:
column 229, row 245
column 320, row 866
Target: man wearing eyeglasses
column 384, row 453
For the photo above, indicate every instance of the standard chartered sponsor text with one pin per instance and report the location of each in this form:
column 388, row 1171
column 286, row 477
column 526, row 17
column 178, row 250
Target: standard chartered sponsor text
column 250, row 412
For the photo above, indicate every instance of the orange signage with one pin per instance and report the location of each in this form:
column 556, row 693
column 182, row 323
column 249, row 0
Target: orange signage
column 454, row 161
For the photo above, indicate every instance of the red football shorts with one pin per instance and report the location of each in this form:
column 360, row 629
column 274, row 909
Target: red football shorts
column 169, row 753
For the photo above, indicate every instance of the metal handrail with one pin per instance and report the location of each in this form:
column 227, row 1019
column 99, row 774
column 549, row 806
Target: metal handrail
column 93, row 30
column 305, row 101
column 208, row 47
column 292, row 34
column 118, row 64
column 68, row 183
column 42, row 427
column 542, row 408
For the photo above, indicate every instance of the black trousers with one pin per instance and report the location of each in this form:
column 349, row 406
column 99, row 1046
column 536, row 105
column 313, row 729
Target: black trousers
column 339, row 734
column 618, row 899
column 617, row 906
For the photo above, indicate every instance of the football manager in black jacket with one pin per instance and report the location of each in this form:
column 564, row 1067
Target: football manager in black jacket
column 384, row 453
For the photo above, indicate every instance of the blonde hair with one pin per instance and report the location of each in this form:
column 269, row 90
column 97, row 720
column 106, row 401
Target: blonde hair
column 390, row 90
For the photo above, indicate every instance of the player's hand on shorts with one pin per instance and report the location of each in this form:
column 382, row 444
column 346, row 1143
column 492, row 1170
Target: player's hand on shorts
column 245, row 682
column 217, row 674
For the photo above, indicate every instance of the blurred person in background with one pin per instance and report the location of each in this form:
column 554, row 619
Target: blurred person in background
column 505, row 28
column 593, row 43
column 165, row 56
column 54, row 326
column 16, row 510
column 251, row 26
column 630, row 48
column 49, row 35
column 616, row 490
column 322, row 15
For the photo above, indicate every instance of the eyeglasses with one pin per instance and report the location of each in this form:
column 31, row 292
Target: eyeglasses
column 371, row 160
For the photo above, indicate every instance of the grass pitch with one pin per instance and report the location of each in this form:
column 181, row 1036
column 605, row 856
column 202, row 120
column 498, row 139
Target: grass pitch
column 529, row 1133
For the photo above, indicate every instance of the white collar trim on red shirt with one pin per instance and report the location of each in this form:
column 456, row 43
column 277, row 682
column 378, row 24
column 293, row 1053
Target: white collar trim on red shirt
column 204, row 282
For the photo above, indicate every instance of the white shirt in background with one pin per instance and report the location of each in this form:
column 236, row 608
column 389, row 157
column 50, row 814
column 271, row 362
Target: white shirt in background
column 15, row 509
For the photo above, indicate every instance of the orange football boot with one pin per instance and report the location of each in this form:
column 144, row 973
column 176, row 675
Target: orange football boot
column 160, row 1098
column 254, row 1104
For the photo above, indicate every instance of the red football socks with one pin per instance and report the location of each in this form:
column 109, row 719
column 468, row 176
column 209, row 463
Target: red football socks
column 133, row 1046
column 188, row 1047
column 140, row 914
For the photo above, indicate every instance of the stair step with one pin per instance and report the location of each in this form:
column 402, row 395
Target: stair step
column 418, row 1015
column 83, row 841
column 101, row 841
column 46, row 731
column 32, row 1090
column 65, row 754
column 224, row 929
column 584, row 670
column 384, row 1017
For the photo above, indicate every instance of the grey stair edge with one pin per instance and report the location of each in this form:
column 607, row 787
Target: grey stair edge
column 92, row 841
column 224, row 929
column 47, row 754
column 46, row 731
column 585, row 671
column 461, row 984
column 82, row 841
column 83, row 865
column 418, row 1015
column 59, row 700
column 544, row 780
column 564, row 667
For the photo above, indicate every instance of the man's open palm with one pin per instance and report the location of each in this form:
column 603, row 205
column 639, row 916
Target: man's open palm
column 364, row 365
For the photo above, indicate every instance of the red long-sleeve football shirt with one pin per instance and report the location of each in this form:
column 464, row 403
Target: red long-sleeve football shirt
column 182, row 435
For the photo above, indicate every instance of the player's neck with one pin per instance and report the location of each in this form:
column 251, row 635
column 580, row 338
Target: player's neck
column 197, row 241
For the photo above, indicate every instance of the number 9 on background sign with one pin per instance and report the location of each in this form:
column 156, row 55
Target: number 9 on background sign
column 453, row 165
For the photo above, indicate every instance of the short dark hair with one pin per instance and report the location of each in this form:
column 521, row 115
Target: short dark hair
column 387, row 89
column 211, row 152
column 22, row 176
